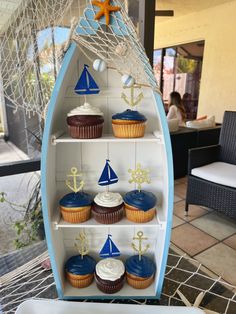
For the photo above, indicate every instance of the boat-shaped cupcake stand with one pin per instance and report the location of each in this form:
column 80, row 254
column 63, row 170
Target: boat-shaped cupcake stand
column 60, row 152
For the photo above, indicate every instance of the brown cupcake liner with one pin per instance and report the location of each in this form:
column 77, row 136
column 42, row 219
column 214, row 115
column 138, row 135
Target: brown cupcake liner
column 139, row 216
column 76, row 214
column 110, row 217
column 110, row 287
column 138, row 282
column 129, row 130
column 86, row 132
column 79, row 281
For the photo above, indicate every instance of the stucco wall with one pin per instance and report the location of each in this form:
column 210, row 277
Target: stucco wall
column 217, row 26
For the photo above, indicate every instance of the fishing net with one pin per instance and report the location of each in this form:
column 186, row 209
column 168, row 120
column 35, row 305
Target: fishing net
column 32, row 49
column 117, row 43
column 30, row 60
column 186, row 283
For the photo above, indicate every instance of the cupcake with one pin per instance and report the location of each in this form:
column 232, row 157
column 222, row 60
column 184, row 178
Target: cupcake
column 108, row 207
column 140, row 206
column 110, row 275
column 140, row 271
column 85, row 121
column 80, row 270
column 129, row 124
column 76, row 207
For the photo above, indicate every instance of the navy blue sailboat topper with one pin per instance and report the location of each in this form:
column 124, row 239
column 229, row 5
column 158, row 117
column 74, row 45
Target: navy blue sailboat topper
column 86, row 84
column 108, row 175
column 109, row 249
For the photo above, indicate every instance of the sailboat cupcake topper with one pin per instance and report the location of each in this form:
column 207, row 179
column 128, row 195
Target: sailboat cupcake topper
column 108, row 175
column 109, row 249
column 86, row 84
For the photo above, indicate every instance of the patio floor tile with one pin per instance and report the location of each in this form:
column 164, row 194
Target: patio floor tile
column 177, row 221
column 220, row 259
column 194, row 211
column 231, row 241
column 215, row 225
column 177, row 199
column 191, row 240
column 180, row 190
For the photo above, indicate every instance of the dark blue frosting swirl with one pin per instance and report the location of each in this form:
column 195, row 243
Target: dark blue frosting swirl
column 129, row 115
column 80, row 266
column 143, row 268
column 142, row 200
column 79, row 199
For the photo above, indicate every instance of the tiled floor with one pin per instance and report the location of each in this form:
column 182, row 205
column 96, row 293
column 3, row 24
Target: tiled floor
column 205, row 235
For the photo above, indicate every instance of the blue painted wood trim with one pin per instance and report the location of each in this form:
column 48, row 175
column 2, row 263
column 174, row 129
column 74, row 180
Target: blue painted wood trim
column 45, row 144
column 170, row 200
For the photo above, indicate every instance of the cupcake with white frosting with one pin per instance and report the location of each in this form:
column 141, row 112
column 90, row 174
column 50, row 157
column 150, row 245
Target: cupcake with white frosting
column 108, row 207
column 85, row 121
column 110, row 275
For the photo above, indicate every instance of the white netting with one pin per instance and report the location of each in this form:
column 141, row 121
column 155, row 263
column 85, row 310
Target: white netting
column 117, row 43
column 184, row 276
column 31, row 57
column 27, row 79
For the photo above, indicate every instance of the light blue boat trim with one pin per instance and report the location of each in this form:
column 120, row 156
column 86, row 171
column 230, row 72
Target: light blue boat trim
column 170, row 200
column 45, row 143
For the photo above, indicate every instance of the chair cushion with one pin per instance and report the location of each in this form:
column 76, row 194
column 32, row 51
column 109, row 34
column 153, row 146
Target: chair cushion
column 217, row 172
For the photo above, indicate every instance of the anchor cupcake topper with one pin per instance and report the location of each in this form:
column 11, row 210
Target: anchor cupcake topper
column 74, row 174
column 81, row 244
column 139, row 249
column 139, row 176
column 132, row 101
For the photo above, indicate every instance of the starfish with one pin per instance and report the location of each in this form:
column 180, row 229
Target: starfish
column 105, row 9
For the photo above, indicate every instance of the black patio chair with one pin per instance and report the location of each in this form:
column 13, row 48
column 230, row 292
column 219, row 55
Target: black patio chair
column 204, row 191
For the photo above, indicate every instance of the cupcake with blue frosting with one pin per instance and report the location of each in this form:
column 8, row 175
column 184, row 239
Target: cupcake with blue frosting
column 80, row 270
column 75, row 207
column 140, row 271
column 129, row 124
column 140, row 205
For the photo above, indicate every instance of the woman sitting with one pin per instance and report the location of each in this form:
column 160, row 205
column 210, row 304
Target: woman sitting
column 176, row 109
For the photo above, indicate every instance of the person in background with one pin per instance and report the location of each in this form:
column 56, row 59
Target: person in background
column 176, row 108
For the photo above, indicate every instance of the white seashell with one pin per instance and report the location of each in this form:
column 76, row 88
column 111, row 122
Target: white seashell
column 121, row 49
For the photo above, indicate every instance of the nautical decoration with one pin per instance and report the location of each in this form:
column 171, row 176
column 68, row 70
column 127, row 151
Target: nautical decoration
column 139, row 249
column 74, row 174
column 132, row 102
column 99, row 65
column 127, row 80
column 105, row 9
column 108, row 175
column 139, row 176
column 121, row 49
column 86, row 84
column 81, row 244
column 109, row 249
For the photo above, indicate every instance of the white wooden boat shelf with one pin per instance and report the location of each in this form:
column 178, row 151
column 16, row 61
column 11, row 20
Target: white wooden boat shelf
column 149, row 137
column 153, row 151
column 59, row 223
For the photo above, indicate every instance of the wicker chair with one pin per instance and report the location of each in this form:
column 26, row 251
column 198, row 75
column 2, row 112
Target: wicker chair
column 202, row 189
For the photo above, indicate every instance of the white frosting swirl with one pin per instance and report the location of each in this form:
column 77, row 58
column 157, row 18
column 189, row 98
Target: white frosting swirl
column 110, row 269
column 85, row 109
column 108, row 199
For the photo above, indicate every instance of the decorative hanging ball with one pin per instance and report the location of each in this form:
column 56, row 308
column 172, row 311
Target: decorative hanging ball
column 121, row 49
column 127, row 80
column 99, row 65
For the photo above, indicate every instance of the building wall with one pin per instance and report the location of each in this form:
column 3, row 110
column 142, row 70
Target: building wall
column 217, row 26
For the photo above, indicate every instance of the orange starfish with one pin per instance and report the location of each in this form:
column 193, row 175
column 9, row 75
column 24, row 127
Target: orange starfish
column 105, row 9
